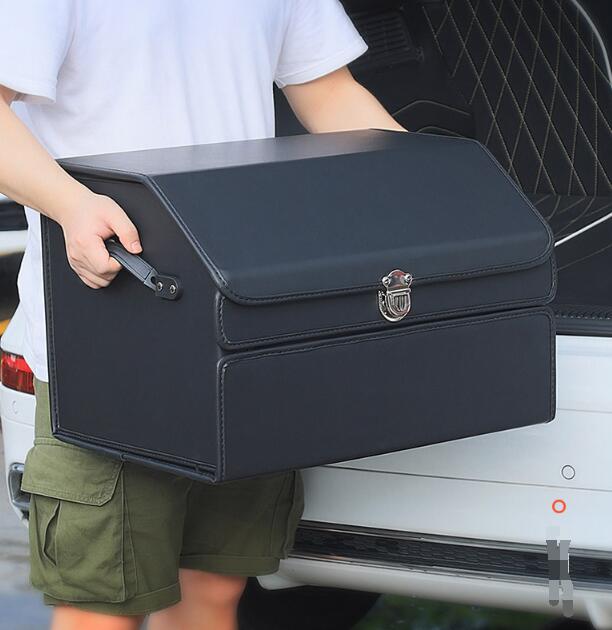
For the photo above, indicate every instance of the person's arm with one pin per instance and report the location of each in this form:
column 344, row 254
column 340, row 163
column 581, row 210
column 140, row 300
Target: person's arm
column 336, row 102
column 30, row 176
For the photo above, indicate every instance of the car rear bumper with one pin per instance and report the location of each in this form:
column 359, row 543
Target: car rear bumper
column 12, row 242
column 17, row 413
column 484, row 590
column 591, row 570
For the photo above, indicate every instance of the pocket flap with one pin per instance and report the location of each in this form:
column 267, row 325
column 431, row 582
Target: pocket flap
column 70, row 473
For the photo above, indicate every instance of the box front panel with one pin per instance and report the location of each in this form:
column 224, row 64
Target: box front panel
column 240, row 326
column 326, row 402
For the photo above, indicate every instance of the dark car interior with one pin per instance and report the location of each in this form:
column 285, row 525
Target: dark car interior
column 12, row 218
column 530, row 79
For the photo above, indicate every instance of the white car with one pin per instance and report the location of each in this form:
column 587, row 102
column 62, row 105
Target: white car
column 465, row 521
column 13, row 232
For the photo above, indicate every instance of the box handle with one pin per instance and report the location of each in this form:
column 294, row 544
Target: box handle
column 165, row 287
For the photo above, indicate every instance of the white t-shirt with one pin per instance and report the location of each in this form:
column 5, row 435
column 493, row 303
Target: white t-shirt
column 101, row 76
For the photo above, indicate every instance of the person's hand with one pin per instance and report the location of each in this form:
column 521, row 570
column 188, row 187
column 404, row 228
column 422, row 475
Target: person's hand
column 86, row 226
column 31, row 177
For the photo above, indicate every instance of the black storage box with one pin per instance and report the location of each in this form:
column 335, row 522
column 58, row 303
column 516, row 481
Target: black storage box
column 304, row 300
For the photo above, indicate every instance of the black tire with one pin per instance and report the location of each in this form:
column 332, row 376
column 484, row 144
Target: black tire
column 302, row 608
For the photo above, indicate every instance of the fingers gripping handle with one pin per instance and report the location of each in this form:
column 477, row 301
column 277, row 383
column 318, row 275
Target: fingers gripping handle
column 165, row 287
column 136, row 265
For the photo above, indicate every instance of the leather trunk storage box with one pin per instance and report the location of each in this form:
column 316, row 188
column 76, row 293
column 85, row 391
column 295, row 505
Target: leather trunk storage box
column 302, row 301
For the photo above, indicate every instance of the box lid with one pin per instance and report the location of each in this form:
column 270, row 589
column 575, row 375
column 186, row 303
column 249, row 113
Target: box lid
column 310, row 216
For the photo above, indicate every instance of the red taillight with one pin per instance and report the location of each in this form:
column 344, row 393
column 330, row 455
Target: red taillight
column 15, row 373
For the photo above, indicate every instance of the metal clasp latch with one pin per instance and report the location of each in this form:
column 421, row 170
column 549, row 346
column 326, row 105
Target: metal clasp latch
column 394, row 300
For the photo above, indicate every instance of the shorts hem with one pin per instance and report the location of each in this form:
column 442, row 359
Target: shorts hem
column 248, row 566
column 143, row 604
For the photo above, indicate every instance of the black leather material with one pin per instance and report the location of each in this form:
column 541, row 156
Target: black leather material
column 240, row 326
column 310, row 251
column 136, row 265
column 314, row 404
column 280, row 246
column 118, row 355
column 166, row 287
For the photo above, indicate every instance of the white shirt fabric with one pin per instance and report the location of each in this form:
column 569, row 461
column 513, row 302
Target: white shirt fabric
column 101, row 76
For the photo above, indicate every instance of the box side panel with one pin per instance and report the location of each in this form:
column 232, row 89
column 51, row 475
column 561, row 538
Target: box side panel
column 132, row 373
column 369, row 394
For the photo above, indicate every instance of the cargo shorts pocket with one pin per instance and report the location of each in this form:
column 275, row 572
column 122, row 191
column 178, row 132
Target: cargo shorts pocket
column 80, row 543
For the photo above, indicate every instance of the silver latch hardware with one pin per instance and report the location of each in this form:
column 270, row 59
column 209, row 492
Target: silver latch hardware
column 394, row 300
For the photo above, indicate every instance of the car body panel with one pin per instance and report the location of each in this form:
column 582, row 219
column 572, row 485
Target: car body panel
column 482, row 591
column 518, row 513
column 12, row 241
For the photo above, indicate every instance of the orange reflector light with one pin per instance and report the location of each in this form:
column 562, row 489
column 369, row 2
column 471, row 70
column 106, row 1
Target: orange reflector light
column 559, row 506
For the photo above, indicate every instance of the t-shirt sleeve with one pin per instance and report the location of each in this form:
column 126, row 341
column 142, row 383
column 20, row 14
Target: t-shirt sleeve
column 319, row 39
column 34, row 38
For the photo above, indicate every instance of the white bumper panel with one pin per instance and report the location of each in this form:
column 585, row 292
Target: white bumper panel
column 12, row 242
column 481, row 591
column 17, row 413
column 454, row 507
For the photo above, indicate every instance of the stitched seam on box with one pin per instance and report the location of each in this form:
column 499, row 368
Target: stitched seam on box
column 403, row 333
column 569, row 315
column 477, row 272
column 553, row 364
column 317, row 331
column 221, row 424
column 139, row 450
column 152, row 184
column 54, row 404
column 51, row 364
column 546, row 312
column 358, row 288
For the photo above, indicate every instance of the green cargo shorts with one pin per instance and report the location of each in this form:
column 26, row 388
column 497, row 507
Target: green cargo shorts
column 110, row 537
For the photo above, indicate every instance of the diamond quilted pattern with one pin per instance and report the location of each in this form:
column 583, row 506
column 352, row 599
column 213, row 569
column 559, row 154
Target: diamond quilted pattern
column 535, row 77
